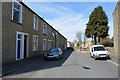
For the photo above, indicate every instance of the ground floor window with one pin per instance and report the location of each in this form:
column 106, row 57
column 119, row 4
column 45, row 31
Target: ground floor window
column 44, row 44
column 35, row 43
column 49, row 44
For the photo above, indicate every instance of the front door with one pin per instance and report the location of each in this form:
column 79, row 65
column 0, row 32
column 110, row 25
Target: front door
column 25, row 46
column 22, row 46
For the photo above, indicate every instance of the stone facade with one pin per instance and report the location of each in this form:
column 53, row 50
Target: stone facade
column 12, row 30
column 116, row 17
column 119, row 28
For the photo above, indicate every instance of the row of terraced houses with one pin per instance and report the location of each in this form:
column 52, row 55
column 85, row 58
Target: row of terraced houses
column 25, row 34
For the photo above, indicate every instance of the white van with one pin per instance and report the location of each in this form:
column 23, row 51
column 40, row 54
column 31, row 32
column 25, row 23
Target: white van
column 99, row 51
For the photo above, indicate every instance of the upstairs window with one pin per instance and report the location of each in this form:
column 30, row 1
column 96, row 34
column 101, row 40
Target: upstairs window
column 35, row 23
column 17, row 12
column 44, row 28
column 53, row 35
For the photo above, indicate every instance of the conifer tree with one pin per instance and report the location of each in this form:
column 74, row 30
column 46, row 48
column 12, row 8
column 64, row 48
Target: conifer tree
column 97, row 26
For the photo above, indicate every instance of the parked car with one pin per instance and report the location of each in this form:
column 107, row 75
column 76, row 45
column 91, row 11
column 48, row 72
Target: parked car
column 99, row 51
column 54, row 53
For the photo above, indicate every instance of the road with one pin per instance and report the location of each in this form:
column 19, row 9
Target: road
column 72, row 65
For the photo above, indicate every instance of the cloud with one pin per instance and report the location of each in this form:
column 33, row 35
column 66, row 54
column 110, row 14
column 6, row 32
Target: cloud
column 69, row 26
column 69, row 23
column 63, row 19
column 48, row 8
column 111, row 34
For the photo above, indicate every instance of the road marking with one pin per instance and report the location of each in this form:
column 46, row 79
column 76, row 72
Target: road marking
column 113, row 63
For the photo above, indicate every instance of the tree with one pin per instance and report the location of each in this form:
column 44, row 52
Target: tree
column 112, row 38
column 84, row 39
column 79, row 37
column 97, row 26
column 75, row 41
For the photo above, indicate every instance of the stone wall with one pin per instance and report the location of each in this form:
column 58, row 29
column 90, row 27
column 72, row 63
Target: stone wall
column 115, row 17
column 111, row 51
column 119, row 28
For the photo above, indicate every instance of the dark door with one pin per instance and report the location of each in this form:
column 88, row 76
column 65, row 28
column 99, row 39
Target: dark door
column 25, row 46
column 19, row 49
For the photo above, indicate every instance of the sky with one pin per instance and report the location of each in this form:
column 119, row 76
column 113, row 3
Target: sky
column 71, row 17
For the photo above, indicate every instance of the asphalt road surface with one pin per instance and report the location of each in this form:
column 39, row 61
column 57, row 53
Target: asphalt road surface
column 72, row 65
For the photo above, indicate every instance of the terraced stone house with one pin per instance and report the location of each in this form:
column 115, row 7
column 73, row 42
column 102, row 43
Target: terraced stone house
column 25, row 34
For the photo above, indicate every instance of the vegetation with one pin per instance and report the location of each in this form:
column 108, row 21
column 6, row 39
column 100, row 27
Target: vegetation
column 84, row 39
column 97, row 26
column 79, row 37
column 107, row 42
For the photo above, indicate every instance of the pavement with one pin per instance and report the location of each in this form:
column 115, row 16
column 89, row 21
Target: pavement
column 13, row 67
column 72, row 65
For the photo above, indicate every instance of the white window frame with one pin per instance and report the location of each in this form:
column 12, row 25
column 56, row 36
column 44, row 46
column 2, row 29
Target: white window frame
column 35, row 27
column 20, row 16
column 49, row 44
column 35, row 36
column 53, row 35
column 44, row 45
column 44, row 30
column 22, row 43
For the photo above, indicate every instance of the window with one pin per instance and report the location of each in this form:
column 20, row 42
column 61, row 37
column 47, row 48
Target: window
column 49, row 44
column 17, row 12
column 44, row 44
column 44, row 28
column 35, row 43
column 52, row 44
column 92, row 49
column 35, row 23
column 53, row 35
column 99, row 48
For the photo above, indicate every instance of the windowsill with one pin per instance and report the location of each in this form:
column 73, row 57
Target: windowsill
column 44, row 33
column 35, row 50
column 16, row 22
column 44, row 50
column 36, row 29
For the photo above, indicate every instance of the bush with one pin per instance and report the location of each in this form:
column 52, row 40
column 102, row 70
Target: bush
column 107, row 42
